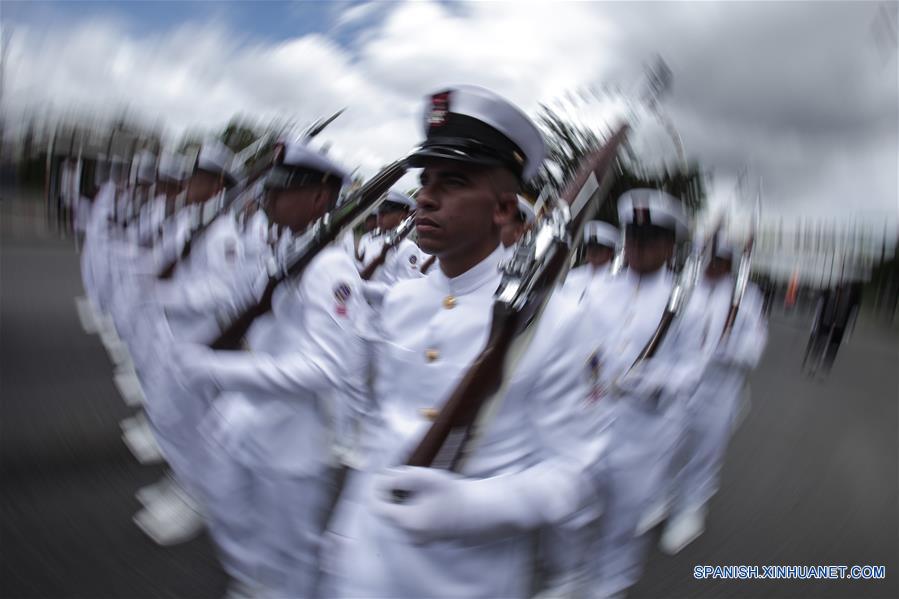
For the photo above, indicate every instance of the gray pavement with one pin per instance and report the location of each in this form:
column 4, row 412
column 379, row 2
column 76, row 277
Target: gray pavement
column 811, row 477
column 68, row 481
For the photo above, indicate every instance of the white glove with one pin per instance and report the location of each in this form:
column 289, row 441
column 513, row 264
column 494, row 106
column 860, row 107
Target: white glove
column 651, row 380
column 442, row 505
column 193, row 367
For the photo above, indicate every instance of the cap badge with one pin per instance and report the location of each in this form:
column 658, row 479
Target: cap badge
column 278, row 153
column 641, row 216
column 439, row 109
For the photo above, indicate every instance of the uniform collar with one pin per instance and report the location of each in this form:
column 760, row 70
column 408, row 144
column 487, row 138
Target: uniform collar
column 484, row 272
column 659, row 277
column 602, row 270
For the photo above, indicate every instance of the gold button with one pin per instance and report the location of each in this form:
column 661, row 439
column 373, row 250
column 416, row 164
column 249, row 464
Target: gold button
column 429, row 414
column 431, row 355
column 449, row 302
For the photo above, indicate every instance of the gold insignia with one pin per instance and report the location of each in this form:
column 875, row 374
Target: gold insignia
column 518, row 157
column 449, row 302
column 431, row 355
column 429, row 414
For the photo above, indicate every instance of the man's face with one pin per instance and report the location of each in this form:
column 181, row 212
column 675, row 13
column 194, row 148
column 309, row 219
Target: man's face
column 371, row 221
column 599, row 255
column 296, row 207
column 718, row 268
column 202, row 186
column 391, row 218
column 462, row 207
column 647, row 249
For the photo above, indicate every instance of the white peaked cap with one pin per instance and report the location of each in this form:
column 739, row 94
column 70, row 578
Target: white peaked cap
column 601, row 232
column 653, row 207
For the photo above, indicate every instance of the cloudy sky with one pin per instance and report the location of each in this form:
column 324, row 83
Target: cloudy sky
column 803, row 93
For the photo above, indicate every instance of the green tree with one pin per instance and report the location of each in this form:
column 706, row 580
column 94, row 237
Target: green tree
column 239, row 134
column 567, row 143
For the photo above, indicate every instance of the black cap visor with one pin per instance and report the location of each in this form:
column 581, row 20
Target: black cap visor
column 471, row 152
column 388, row 206
column 647, row 233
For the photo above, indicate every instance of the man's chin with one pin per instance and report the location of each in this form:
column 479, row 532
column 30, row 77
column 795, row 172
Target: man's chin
column 430, row 246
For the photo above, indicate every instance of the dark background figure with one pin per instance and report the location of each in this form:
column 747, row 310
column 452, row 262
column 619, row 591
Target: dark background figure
column 835, row 315
column 847, row 303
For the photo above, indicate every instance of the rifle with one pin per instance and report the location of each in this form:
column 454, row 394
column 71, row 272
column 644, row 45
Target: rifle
column 742, row 279
column 393, row 238
column 318, row 235
column 529, row 278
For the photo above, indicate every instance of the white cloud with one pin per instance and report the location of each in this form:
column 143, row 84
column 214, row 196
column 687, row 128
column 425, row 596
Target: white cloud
column 356, row 14
column 792, row 89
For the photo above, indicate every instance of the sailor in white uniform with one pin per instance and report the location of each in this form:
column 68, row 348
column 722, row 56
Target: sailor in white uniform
column 280, row 404
column 469, row 534
column 713, row 408
column 186, row 307
column 403, row 261
column 600, row 244
column 644, row 407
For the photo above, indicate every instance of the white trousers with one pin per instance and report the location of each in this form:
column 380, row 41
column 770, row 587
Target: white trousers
column 644, row 444
column 268, row 525
column 709, row 429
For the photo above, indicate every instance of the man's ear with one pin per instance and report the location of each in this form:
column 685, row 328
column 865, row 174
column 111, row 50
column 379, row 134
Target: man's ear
column 321, row 201
column 506, row 208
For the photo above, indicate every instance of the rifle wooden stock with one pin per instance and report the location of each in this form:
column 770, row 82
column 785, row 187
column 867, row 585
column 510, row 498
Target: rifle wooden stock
column 447, row 436
column 341, row 218
column 369, row 271
column 446, row 442
column 232, row 337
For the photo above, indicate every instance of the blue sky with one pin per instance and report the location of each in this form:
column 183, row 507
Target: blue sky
column 260, row 20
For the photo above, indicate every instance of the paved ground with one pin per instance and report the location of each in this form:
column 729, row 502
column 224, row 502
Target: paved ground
column 811, row 477
column 68, row 481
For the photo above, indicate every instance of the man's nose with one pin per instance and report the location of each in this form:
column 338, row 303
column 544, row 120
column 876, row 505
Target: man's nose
column 426, row 199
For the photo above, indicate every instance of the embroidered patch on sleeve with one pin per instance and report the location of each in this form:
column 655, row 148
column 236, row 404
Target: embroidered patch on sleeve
column 342, row 293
